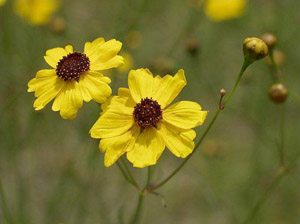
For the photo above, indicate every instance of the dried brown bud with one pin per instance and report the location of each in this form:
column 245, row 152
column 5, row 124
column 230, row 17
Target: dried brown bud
column 222, row 92
column 270, row 39
column 57, row 24
column 278, row 93
column 254, row 49
column 192, row 46
column 279, row 57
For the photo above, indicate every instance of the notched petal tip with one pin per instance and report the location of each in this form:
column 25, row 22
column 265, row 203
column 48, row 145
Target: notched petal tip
column 181, row 74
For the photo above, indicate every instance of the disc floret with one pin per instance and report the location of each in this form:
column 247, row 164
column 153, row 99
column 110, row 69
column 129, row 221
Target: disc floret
column 147, row 113
column 70, row 67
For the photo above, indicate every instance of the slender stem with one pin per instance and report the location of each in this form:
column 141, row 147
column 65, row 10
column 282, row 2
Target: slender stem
column 130, row 175
column 264, row 198
column 148, row 178
column 3, row 207
column 281, row 146
column 123, row 172
column 295, row 96
column 275, row 65
column 282, row 172
column 138, row 209
column 244, row 67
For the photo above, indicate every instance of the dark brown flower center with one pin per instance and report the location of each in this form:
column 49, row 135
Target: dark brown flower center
column 147, row 113
column 70, row 67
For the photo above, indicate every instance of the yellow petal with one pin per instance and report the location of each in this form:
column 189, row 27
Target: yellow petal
column 123, row 99
column 42, row 78
column 147, row 149
column 69, row 49
column 95, row 87
column 117, row 146
column 140, row 83
column 114, row 62
column 179, row 142
column 113, row 122
column 69, row 100
column 116, row 102
column 219, row 10
column 104, row 52
column 36, row 12
column 184, row 114
column 45, row 90
column 167, row 88
column 91, row 48
column 53, row 56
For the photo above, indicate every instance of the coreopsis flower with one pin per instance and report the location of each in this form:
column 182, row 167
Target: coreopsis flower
column 219, row 10
column 75, row 77
column 36, row 12
column 2, row 2
column 141, row 122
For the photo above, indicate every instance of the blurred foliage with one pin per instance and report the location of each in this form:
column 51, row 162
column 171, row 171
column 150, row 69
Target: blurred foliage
column 52, row 171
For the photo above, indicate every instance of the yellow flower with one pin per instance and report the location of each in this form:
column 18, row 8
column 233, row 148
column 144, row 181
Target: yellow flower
column 36, row 12
column 2, row 2
column 140, row 122
column 219, row 10
column 75, row 76
column 128, row 62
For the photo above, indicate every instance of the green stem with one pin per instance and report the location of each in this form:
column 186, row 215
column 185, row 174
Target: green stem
column 130, row 176
column 283, row 171
column 244, row 67
column 275, row 66
column 295, row 96
column 281, row 146
column 124, row 173
column 148, row 178
column 138, row 209
column 4, row 208
column 264, row 197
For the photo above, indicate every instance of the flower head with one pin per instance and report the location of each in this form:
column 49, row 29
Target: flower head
column 219, row 10
column 2, row 2
column 36, row 12
column 75, row 76
column 141, row 122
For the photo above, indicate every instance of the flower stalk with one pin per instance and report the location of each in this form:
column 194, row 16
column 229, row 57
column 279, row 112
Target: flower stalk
column 243, row 69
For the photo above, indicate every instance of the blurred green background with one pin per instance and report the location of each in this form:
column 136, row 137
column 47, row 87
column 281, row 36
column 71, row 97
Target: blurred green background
column 51, row 171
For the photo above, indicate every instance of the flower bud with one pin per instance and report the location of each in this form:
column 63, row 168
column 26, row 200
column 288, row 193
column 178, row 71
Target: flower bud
column 279, row 57
column 57, row 24
column 278, row 93
column 192, row 46
column 222, row 92
column 270, row 39
column 254, row 49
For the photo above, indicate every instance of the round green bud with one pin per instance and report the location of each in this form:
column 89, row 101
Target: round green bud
column 254, row 49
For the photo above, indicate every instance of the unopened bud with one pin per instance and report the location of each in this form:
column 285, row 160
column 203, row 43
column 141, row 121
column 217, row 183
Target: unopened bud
column 192, row 46
column 270, row 39
column 278, row 56
column 278, row 93
column 222, row 92
column 57, row 24
column 254, row 49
